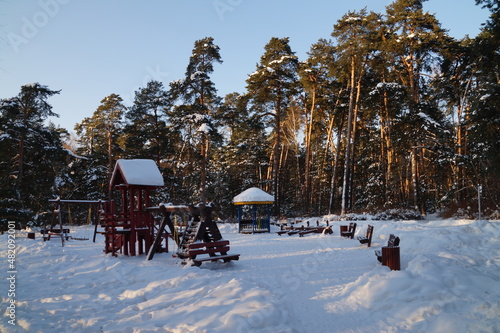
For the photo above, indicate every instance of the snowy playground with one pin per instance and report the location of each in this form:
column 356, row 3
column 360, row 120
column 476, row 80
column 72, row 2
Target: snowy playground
column 448, row 282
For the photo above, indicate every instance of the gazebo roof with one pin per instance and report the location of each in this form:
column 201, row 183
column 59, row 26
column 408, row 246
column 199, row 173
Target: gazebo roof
column 137, row 172
column 253, row 196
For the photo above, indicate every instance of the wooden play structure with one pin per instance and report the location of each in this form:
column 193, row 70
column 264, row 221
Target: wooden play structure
column 201, row 236
column 128, row 226
column 128, row 221
column 254, row 210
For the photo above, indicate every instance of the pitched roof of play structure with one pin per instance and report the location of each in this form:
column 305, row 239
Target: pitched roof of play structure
column 252, row 196
column 137, row 172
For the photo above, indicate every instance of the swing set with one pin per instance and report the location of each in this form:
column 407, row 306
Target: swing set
column 57, row 227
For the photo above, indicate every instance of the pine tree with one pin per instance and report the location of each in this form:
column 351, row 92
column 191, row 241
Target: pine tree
column 320, row 90
column 355, row 36
column 194, row 115
column 148, row 134
column 484, row 121
column 99, row 137
column 32, row 153
column 454, row 86
column 270, row 88
column 247, row 145
column 414, row 39
column 238, row 163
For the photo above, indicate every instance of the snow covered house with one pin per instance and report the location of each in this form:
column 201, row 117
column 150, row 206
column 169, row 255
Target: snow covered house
column 254, row 210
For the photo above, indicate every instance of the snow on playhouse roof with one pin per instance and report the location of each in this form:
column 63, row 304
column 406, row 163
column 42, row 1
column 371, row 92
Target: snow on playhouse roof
column 252, row 196
column 137, row 172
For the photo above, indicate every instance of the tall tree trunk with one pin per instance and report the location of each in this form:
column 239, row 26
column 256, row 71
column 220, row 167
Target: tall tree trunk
column 348, row 150
column 413, row 78
column 276, row 161
column 460, row 172
column 333, row 183
column 353, row 141
column 20, row 168
column 204, row 163
column 157, row 136
column 110, row 161
column 383, row 152
column 387, row 152
column 309, row 154
column 414, row 178
column 270, row 172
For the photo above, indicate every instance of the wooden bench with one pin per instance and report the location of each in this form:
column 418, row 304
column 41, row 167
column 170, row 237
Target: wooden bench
column 55, row 230
column 212, row 249
column 350, row 232
column 317, row 230
column 392, row 242
column 309, row 231
column 46, row 233
column 368, row 238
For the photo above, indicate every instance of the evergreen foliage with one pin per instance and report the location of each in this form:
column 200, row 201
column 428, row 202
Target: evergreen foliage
column 194, row 116
column 271, row 89
column 390, row 113
column 33, row 159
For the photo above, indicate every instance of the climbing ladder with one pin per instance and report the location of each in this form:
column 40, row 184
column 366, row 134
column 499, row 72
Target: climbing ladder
column 190, row 236
column 200, row 229
column 201, row 236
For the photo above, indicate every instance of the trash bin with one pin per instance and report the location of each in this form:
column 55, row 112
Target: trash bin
column 343, row 228
column 390, row 257
column 31, row 235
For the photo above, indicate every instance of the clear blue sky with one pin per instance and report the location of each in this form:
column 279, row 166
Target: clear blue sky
column 90, row 49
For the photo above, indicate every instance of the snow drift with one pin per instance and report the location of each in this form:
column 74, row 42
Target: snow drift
column 449, row 278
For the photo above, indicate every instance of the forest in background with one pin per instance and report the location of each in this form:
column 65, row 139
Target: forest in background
column 389, row 113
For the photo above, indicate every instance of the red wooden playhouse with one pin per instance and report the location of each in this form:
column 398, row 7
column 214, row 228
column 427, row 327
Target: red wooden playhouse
column 128, row 226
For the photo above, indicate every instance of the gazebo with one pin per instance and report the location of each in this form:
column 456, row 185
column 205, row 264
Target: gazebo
column 254, row 210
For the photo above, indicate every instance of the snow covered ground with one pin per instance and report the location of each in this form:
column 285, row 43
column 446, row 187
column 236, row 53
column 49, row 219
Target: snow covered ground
column 449, row 282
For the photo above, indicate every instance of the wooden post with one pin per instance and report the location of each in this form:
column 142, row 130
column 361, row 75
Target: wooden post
column 60, row 224
column 99, row 213
column 240, row 217
column 268, row 207
column 132, row 218
column 254, row 218
column 164, row 222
